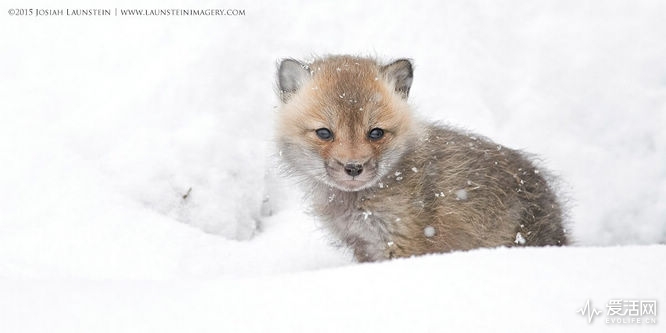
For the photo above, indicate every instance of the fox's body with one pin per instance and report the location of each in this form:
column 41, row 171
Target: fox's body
column 391, row 186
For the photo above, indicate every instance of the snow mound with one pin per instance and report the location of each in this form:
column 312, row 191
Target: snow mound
column 517, row 290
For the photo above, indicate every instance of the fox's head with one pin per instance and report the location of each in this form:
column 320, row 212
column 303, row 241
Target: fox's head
column 344, row 121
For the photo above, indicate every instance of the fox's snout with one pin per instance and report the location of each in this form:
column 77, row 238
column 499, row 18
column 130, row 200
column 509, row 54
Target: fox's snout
column 350, row 167
column 353, row 169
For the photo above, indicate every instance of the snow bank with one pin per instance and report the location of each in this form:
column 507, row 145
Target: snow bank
column 517, row 290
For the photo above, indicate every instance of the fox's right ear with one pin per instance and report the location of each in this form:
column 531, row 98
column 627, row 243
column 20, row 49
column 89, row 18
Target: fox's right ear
column 291, row 76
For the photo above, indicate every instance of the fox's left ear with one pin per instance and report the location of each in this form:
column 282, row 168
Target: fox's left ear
column 291, row 76
column 400, row 74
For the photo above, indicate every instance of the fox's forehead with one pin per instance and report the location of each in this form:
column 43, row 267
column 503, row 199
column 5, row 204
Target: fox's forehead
column 350, row 79
column 350, row 88
column 342, row 65
column 352, row 106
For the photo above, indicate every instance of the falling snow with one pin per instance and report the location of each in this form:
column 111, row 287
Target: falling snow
column 461, row 194
column 519, row 239
column 429, row 231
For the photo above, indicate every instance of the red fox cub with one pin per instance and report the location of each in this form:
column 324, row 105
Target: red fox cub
column 391, row 186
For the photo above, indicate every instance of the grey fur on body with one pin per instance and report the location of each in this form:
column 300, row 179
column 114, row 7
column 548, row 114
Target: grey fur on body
column 436, row 189
column 471, row 192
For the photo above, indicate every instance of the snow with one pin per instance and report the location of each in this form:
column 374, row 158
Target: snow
column 461, row 194
column 429, row 231
column 140, row 193
column 471, row 291
column 520, row 240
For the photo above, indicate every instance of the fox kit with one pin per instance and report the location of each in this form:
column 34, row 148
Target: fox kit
column 391, row 186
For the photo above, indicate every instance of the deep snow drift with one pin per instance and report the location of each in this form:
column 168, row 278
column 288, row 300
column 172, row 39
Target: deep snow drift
column 140, row 148
column 499, row 290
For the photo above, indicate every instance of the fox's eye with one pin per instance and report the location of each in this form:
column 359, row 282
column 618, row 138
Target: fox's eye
column 376, row 134
column 324, row 134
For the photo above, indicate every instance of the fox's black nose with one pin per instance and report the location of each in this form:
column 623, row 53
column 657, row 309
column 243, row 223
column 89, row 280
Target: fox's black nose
column 353, row 169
